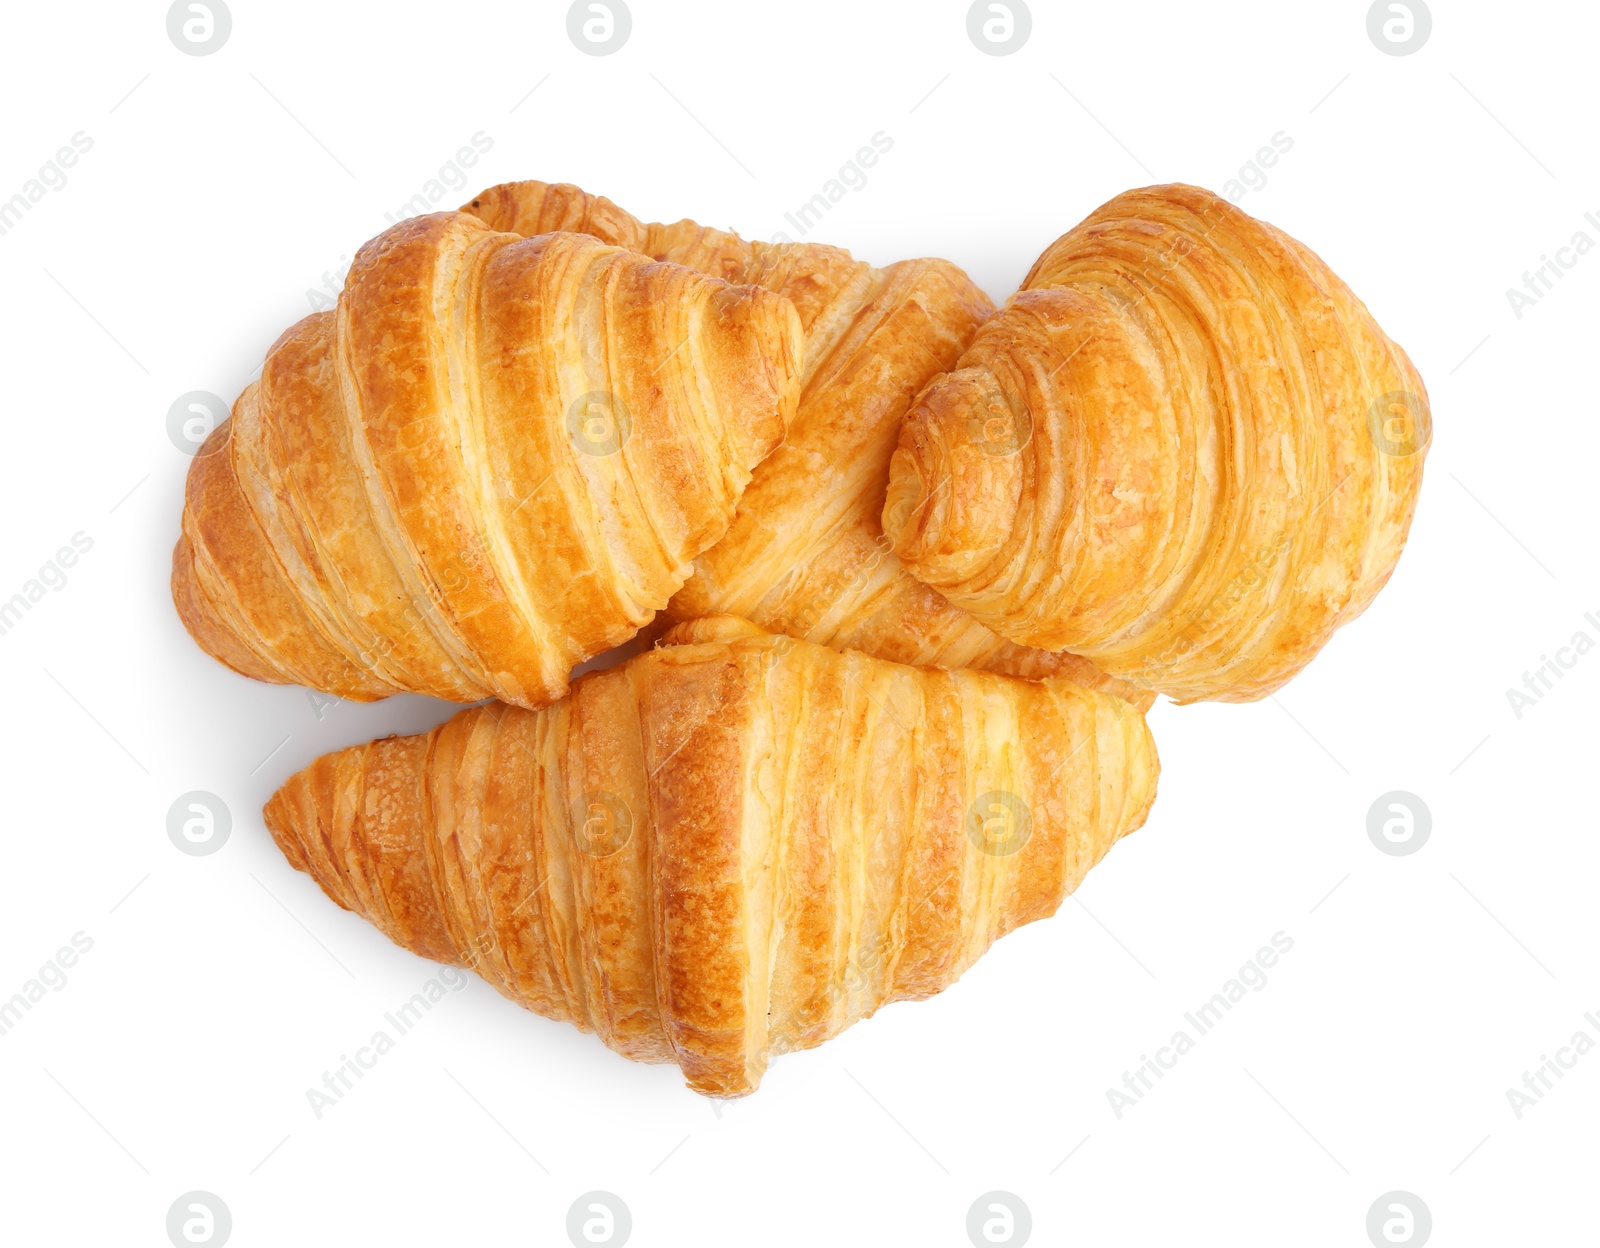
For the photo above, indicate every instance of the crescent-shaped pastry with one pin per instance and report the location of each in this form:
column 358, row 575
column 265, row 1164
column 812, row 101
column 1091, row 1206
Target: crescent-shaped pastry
column 730, row 847
column 1184, row 450
column 495, row 460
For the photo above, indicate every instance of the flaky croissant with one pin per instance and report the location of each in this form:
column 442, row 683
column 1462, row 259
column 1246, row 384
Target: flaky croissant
column 805, row 554
column 1184, row 450
column 497, row 458
column 730, row 847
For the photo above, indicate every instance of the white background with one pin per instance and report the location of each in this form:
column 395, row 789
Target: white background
column 1419, row 989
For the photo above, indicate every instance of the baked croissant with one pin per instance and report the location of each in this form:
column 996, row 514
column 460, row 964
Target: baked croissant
column 730, row 847
column 497, row 458
column 1184, row 450
column 805, row 554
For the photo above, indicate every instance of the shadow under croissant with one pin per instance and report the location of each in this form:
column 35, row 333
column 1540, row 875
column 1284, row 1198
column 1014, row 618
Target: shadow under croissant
column 731, row 846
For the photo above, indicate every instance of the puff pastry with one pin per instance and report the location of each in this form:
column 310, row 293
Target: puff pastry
column 732, row 846
column 1184, row 450
column 805, row 554
column 497, row 458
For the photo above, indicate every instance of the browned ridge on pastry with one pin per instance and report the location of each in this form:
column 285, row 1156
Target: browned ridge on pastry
column 730, row 847
column 497, row 458
column 805, row 554
column 1184, row 450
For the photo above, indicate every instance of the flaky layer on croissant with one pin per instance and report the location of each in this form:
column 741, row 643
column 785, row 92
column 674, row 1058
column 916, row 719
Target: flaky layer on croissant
column 1184, row 450
column 497, row 458
column 730, row 847
column 805, row 554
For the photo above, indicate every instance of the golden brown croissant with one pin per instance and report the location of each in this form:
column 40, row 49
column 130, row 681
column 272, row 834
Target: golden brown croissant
column 1184, row 449
column 496, row 459
column 805, row 554
column 732, row 846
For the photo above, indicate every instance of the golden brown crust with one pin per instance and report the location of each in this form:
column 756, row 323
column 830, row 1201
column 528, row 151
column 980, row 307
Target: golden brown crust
column 734, row 845
column 805, row 554
column 1175, row 452
column 496, row 459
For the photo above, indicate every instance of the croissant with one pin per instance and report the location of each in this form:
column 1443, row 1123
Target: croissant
column 730, row 847
column 805, row 554
column 1183, row 450
column 497, row 458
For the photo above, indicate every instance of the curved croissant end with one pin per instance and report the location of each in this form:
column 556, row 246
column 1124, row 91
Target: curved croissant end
column 1183, row 450
column 805, row 554
column 496, row 459
column 733, row 846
